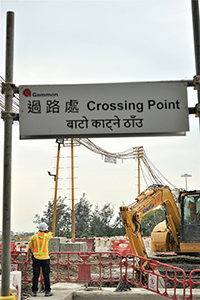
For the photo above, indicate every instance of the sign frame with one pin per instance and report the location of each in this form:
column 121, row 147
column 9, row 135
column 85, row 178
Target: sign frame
column 104, row 110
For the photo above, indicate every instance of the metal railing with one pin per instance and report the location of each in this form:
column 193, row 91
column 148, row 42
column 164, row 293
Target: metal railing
column 102, row 267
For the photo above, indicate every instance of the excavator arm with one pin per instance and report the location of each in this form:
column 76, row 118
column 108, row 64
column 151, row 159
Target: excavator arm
column 148, row 200
column 132, row 226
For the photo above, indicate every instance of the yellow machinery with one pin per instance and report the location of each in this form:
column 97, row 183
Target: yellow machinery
column 180, row 231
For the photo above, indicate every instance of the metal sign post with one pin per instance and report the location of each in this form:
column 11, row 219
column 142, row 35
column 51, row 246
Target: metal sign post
column 72, row 174
column 8, row 116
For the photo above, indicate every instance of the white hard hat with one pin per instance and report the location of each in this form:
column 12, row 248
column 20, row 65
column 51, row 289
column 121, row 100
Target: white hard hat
column 43, row 226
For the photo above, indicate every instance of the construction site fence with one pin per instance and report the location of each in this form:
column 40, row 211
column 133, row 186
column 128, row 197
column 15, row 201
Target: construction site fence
column 97, row 244
column 102, row 267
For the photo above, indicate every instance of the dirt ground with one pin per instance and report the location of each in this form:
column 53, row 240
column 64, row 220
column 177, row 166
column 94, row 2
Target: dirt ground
column 25, row 289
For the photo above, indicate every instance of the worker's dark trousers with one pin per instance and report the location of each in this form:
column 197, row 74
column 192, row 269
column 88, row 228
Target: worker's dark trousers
column 45, row 265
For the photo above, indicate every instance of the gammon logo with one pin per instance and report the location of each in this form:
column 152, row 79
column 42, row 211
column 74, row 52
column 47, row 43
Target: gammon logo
column 27, row 93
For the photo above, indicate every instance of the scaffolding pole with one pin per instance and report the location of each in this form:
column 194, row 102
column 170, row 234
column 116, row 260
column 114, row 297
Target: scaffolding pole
column 72, row 181
column 55, row 192
column 7, row 116
column 196, row 32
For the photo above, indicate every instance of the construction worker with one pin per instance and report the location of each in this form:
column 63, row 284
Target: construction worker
column 38, row 246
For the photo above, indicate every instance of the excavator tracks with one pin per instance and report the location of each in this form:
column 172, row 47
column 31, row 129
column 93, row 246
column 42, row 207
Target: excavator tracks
column 183, row 262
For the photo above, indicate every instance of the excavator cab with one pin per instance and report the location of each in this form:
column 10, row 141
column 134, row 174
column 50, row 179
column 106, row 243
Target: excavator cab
column 190, row 221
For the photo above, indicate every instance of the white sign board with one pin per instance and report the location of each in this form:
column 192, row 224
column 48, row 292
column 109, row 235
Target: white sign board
column 102, row 110
column 152, row 282
column 110, row 159
column 13, row 267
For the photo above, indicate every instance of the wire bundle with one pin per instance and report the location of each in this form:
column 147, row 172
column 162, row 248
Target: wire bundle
column 150, row 173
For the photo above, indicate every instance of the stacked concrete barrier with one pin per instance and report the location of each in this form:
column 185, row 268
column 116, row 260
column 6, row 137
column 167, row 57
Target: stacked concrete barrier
column 98, row 244
column 122, row 247
column 73, row 247
column 21, row 246
column 61, row 244
column 104, row 244
column 12, row 246
column 15, row 280
column 89, row 241
column 15, row 283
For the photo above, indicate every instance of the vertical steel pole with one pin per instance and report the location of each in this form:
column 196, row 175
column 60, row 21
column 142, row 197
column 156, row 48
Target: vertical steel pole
column 138, row 171
column 55, row 192
column 139, row 155
column 5, row 286
column 196, row 32
column 72, row 175
column 186, row 183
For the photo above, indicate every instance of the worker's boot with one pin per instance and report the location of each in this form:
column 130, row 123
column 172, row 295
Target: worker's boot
column 48, row 294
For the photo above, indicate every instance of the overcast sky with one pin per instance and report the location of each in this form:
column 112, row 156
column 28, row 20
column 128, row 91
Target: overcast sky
column 64, row 42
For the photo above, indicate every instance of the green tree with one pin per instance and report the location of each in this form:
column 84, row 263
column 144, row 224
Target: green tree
column 150, row 220
column 101, row 221
column 63, row 217
column 88, row 222
column 83, row 217
column 118, row 227
column 95, row 224
column 106, row 214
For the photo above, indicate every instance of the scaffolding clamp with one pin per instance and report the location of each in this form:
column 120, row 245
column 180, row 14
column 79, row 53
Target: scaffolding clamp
column 6, row 86
column 9, row 115
column 196, row 81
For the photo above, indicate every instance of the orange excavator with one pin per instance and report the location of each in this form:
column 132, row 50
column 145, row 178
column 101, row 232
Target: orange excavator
column 178, row 233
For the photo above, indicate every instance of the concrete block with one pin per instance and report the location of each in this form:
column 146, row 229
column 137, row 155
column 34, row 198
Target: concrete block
column 54, row 244
column 90, row 243
column 63, row 239
column 73, row 247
